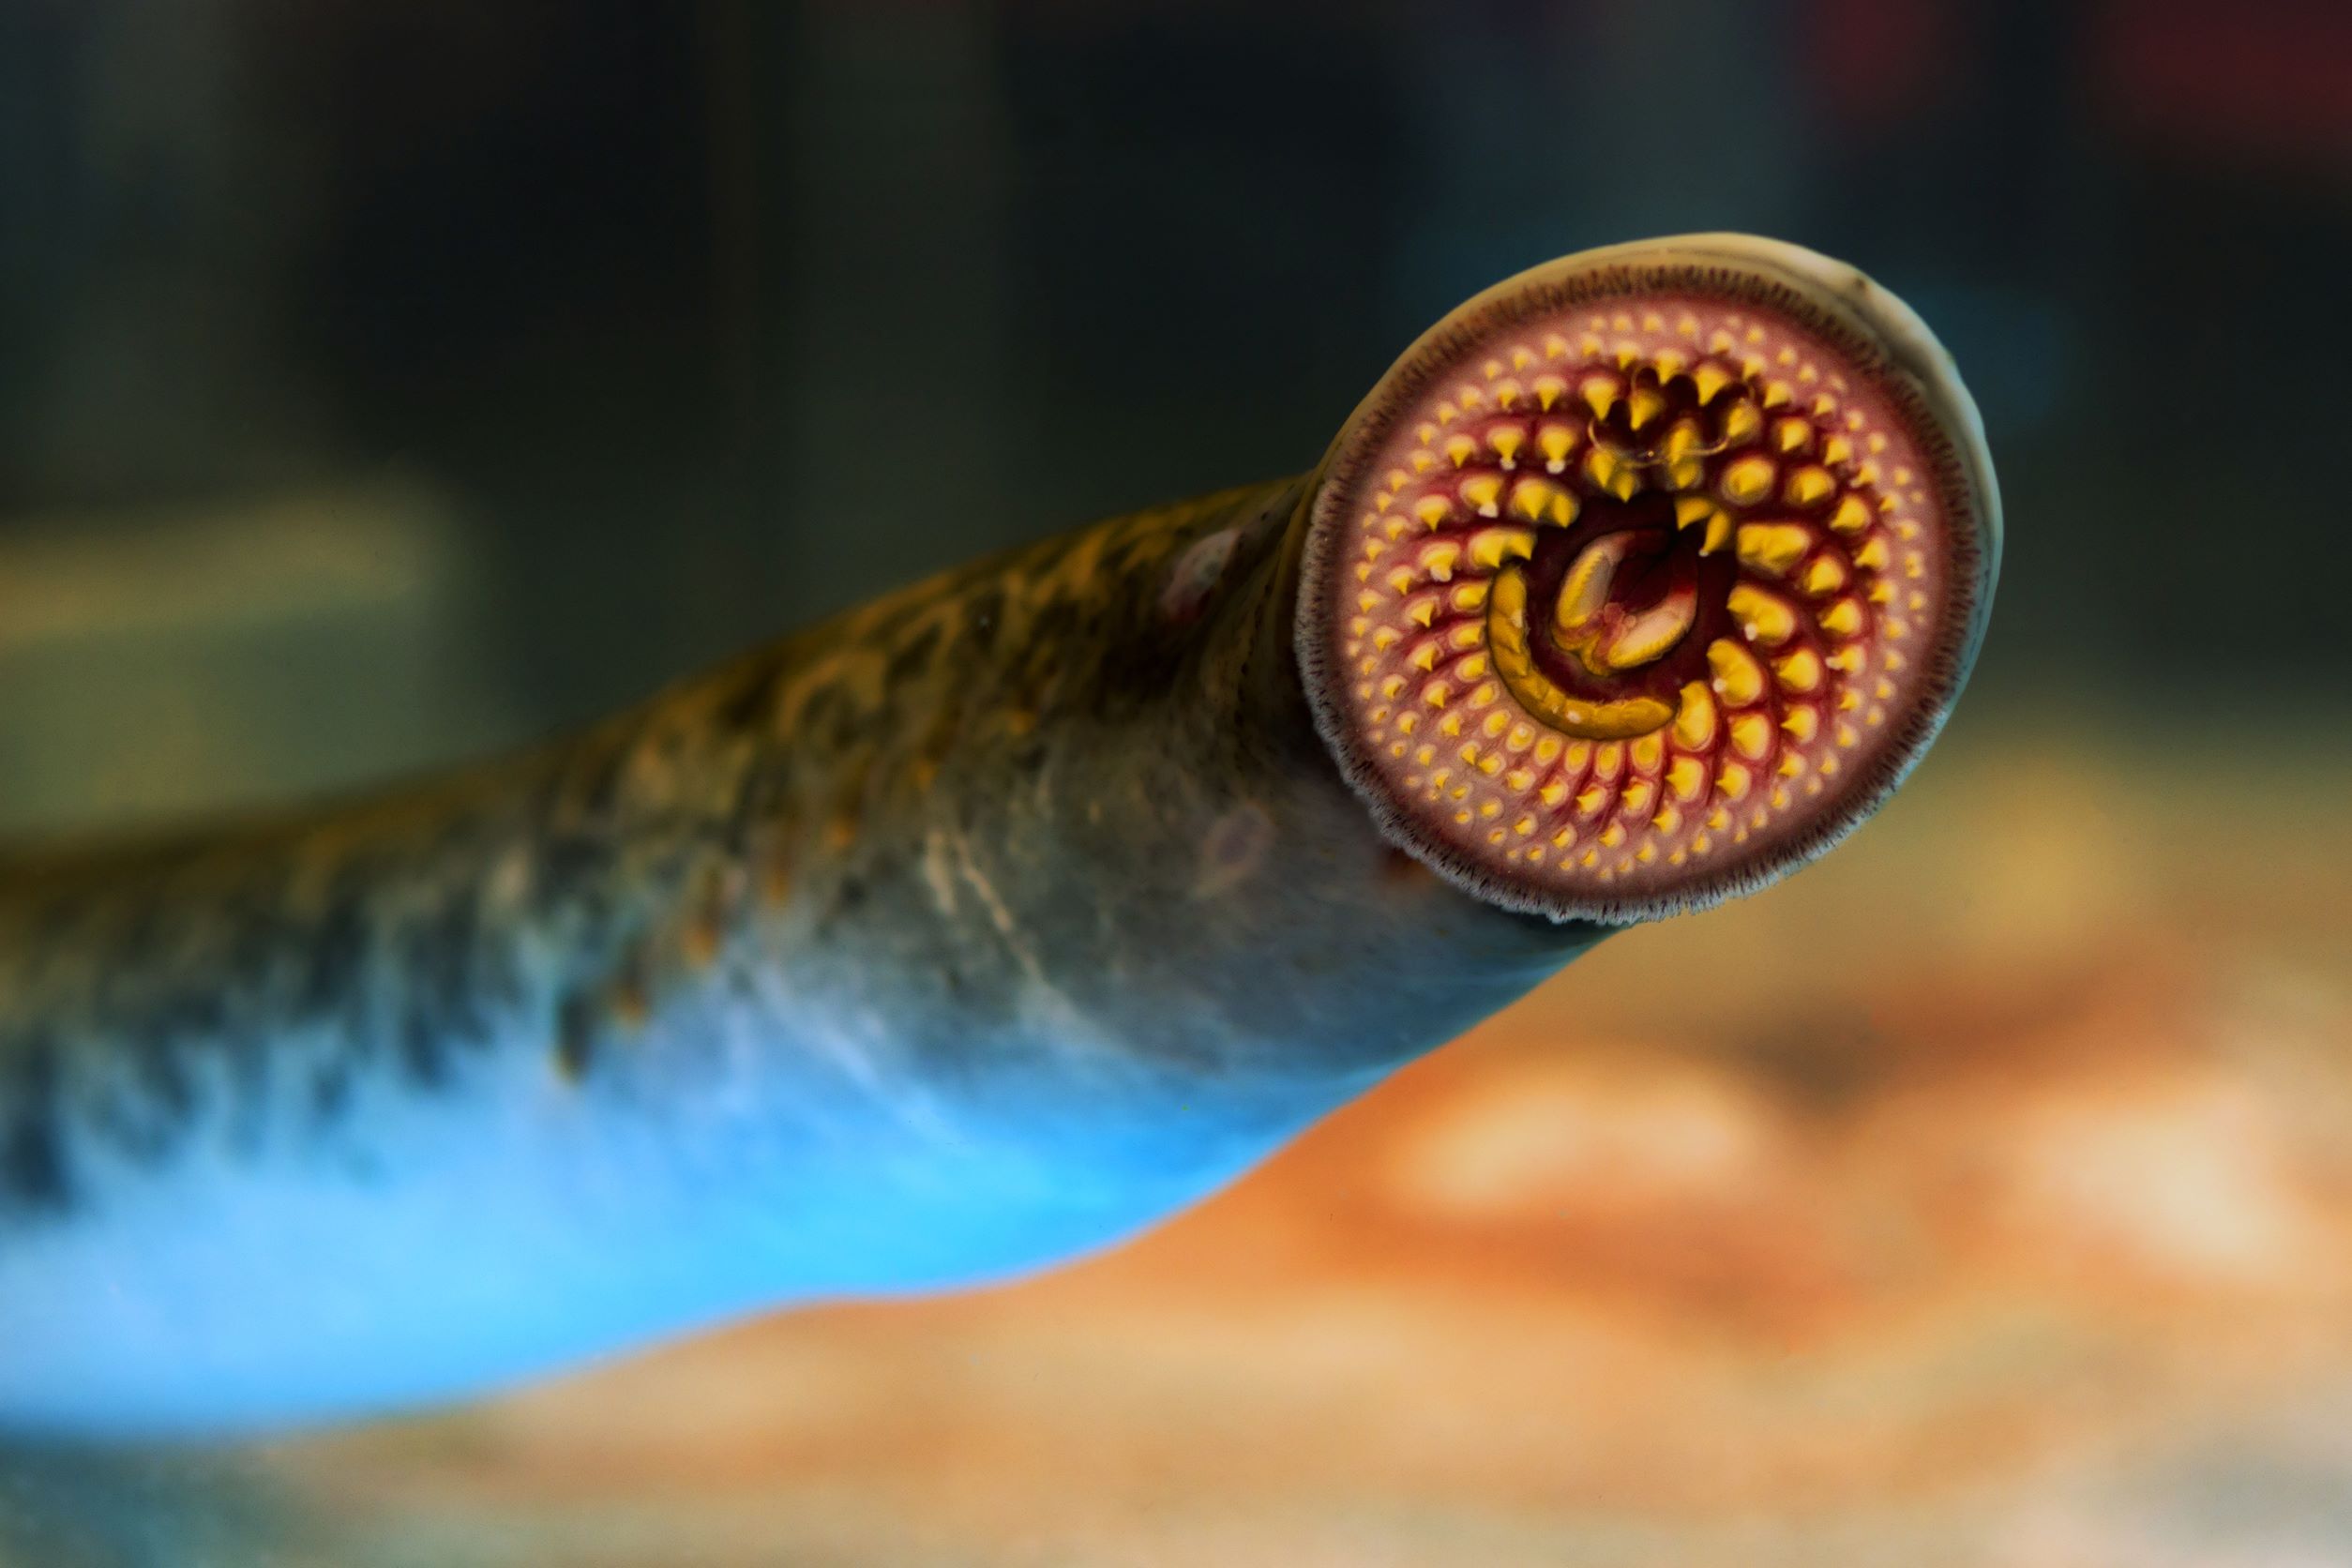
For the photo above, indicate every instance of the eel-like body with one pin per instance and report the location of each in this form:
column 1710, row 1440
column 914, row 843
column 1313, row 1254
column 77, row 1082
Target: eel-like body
column 986, row 923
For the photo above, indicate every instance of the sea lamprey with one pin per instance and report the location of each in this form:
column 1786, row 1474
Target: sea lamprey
column 988, row 922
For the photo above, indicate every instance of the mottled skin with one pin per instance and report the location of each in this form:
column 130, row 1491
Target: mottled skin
column 981, row 924
column 1000, row 917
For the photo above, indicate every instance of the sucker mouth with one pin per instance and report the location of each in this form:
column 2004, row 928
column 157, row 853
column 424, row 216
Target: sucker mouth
column 1640, row 590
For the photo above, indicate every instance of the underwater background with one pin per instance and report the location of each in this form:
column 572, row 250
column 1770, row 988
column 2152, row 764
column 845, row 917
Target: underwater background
column 381, row 384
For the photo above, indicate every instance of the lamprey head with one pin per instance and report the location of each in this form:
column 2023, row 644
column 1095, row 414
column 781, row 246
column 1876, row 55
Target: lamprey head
column 1643, row 577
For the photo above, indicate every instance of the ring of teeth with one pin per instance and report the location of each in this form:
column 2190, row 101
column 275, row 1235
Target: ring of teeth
column 1633, row 587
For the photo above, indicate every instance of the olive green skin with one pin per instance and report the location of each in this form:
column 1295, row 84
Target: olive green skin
column 973, row 928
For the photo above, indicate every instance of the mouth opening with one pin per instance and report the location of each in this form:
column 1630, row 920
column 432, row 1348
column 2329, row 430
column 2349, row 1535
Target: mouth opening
column 1644, row 576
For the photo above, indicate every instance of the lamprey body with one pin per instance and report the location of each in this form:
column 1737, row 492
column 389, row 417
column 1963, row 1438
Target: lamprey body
column 987, row 923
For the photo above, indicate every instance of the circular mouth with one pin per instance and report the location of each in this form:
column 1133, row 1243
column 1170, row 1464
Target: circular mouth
column 1638, row 581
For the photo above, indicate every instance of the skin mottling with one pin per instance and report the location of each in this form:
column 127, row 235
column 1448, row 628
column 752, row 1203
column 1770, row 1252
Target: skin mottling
column 872, row 961
column 1236, row 848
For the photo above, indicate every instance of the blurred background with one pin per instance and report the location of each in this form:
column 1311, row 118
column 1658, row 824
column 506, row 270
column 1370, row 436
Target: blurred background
column 381, row 383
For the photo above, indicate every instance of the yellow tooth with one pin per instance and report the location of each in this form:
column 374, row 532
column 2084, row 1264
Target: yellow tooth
column 1609, row 759
column 1482, row 493
column 1773, row 547
column 1439, row 558
column 1873, row 555
column 1685, row 474
column 1848, row 658
column 1763, row 617
column 1608, row 469
column 1585, row 588
column 1824, row 405
column 1593, row 800
column 1689, row 509
column 1506, row 441
column 1637, row 796
column 1506, row 393
column 1803, row 723
column 1461, row 448
column 1718, row 532
column 1385, row 638
column 1600, row 394
column 1648, row 751
column 1682, row 441
column 1710, row 377
column 1837, row 451
column 1843, row 619
column 1643, row 406
column 1432, row 509
column 1751, row 736
column 1424, row 656
column 1423, row 610
column 1809, row 485
column 1552, row 793
column 1470, row 596
column 1850, row 515
column 1613, row 835
column 1554, row 440
column 1436, row 693
column 1734, row 780
column 1825, row 575
column 1694, row 721
column 1687, row 778
column 1670, row 363
column 1492, row 547
column 1747, row 480
column 1469, row 634
column 1799, row 671
column 1740, row 422
column 1401, row 578
column 1531, row 498
column 1737, row 679
column 1792, row 435
column 1549, row 389
column 1777, row 394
